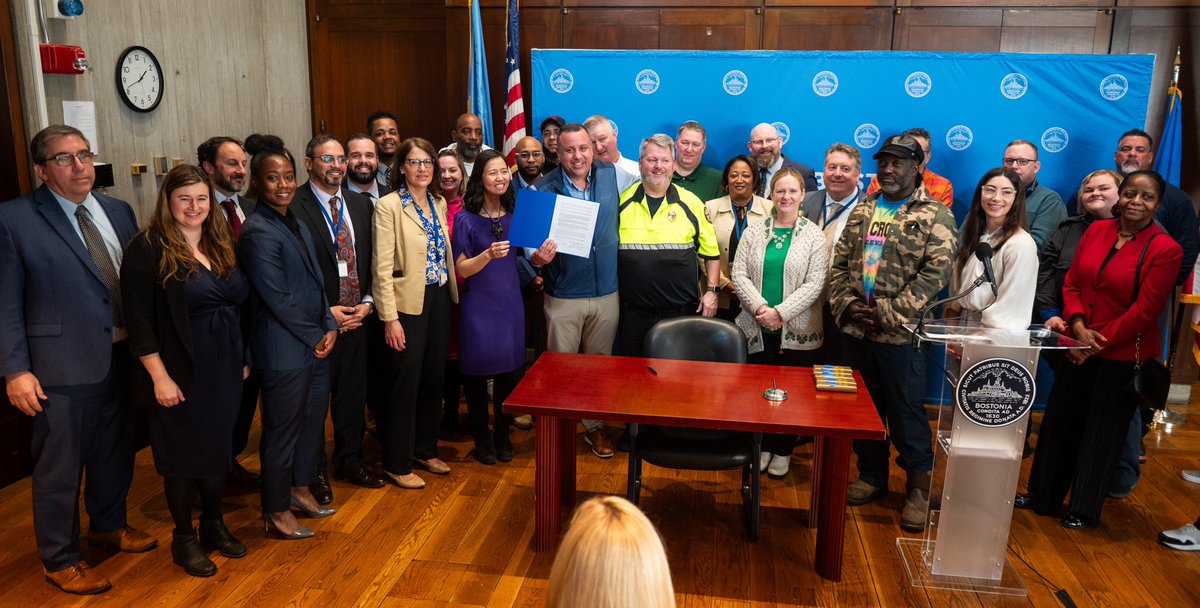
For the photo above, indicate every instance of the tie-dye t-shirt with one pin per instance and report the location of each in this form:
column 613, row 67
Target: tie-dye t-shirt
column 877, row 232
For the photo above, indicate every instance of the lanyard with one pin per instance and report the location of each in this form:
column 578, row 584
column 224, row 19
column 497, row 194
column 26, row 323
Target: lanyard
column 336, row 229
column 432, row 213
column 825, row 208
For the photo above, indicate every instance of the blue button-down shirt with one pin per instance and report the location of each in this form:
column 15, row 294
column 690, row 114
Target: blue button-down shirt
column 100, row 219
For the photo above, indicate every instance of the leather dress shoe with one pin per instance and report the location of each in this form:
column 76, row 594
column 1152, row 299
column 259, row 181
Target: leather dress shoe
column 214, row 535
column 239, row 476
column 1023, row 501
column 433, row 465
column 622, row 442
column 320, row 489
column 602, row 446
column 360, row 476
column 126, row 539
column 504, row 451
column 186, row 552
column 1074, row 522
column 78, row 579
column 485, row 452
column 318, row 513
column 523, row 422
column 408, row 482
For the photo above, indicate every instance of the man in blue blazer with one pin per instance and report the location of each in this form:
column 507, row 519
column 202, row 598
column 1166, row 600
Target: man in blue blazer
column 581, row 302
column 63, row 353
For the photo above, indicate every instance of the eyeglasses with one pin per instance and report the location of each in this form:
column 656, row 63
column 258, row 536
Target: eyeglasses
column 1018, row 162
column 1001, row 193
column 417, row 163
column 529, row 155
column 66, row 158
column 330, row 159
column 758, row 143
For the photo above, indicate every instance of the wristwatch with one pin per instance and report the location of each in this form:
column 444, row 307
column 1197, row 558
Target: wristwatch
column 715, row 289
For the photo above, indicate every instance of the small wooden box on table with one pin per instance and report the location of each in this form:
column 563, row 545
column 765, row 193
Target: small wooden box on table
column 561, row 388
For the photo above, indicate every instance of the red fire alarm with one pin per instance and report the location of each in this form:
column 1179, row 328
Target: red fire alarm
column 63, row 59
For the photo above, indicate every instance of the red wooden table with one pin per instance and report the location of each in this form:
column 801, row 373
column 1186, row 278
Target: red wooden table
column 561, row 388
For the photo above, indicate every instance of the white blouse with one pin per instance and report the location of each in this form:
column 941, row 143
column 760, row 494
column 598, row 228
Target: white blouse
column 1016, row 268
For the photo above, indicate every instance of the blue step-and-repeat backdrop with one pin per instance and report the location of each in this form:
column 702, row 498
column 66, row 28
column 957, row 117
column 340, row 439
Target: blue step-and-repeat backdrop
column 1074, row 107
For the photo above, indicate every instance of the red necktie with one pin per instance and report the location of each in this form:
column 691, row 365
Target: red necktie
column 235, row 222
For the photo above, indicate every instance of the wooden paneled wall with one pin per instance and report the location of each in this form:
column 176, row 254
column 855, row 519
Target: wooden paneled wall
column 231, row 68
column 426, row 44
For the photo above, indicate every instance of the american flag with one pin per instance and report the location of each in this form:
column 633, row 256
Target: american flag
column 514, row 100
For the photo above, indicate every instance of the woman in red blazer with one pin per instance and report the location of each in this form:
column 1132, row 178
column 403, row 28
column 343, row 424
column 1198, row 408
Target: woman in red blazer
column 1090, row 406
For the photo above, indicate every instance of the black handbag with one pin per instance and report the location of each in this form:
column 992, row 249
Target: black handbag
column 1151, row 380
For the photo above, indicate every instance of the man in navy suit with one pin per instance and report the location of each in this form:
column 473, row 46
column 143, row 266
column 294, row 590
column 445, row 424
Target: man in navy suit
column 340, row 223
column 766, row 147
column 63, row 353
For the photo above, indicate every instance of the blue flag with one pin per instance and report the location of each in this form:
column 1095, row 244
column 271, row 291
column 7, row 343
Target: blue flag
column 1170, row 146
column 479, row 97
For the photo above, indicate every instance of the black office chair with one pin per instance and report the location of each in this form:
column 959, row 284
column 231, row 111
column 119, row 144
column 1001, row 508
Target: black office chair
column 697, row 339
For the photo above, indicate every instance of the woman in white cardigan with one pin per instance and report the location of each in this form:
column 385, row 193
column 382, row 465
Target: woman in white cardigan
column 997, row 217
column 778, row 273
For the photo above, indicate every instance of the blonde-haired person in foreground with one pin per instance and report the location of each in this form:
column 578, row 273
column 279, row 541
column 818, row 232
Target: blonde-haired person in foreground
column 611, row 557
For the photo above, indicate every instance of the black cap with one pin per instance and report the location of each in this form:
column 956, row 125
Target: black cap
column 556, row 120
column 902, row 146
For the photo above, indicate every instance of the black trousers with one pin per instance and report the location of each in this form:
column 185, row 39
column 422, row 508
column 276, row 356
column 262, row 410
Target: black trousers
column 452, row 388
column 477, row 405
column 773, row 354
column 409, row 423
column 1084, row 427
column 833, row 349
column 379, row 366
column 636, row 321
column 85, row 428
column 349, row 370
column 293, row 430
column 241, row 427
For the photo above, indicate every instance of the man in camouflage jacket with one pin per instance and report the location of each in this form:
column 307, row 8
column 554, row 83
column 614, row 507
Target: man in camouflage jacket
column 893, row 258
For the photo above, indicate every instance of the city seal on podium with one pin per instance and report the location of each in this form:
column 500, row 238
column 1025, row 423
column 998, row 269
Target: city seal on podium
column 995, row 392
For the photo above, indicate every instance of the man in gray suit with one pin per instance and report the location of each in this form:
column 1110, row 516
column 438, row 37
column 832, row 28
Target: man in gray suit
column 63, row 353
column 828, row 208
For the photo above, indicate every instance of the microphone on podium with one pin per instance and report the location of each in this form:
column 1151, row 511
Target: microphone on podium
column 983, row 252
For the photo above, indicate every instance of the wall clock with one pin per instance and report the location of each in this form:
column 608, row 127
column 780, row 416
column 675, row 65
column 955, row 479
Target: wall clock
column 139, row 79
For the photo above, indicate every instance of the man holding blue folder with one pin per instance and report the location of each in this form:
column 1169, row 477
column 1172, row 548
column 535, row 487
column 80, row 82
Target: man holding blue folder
column 582, row 307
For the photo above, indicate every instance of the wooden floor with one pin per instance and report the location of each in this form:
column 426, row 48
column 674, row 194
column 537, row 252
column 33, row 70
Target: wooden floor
column 466, row 540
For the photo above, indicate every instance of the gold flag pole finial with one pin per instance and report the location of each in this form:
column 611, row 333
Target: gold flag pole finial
column 1178, row 64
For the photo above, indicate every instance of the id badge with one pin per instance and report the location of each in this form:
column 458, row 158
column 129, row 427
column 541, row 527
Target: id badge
column 343, row 269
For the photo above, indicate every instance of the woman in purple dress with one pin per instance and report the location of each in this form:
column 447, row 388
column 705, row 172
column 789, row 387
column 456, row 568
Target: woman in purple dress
column 491, row 328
